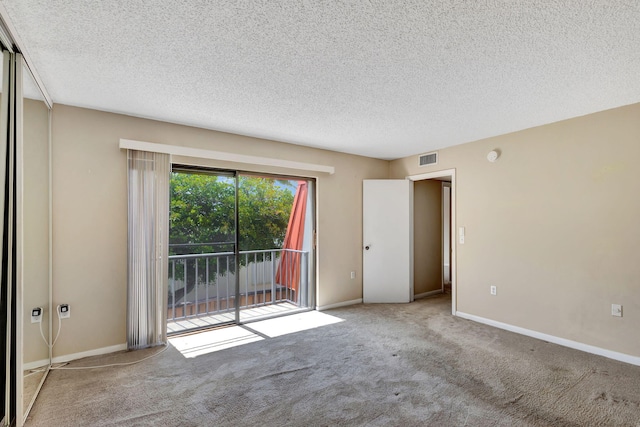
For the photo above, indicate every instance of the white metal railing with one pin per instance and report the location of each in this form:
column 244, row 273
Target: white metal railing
column 205, row 284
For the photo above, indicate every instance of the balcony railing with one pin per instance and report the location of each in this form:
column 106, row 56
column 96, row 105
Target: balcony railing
column 205, row 285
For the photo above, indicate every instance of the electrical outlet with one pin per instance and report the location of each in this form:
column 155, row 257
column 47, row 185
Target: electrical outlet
column 36, row 315
column 494, row 290
column 616, row 310
column 353, row 274
column 64, row 311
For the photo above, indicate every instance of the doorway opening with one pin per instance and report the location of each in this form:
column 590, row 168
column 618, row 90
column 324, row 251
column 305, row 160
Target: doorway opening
column 240, row 247
column 434, row 234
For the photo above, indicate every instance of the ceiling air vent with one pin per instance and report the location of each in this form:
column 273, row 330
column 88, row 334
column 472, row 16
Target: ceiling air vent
column 429, row 159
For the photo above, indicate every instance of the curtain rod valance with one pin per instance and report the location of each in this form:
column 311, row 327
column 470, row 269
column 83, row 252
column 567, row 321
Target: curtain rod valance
column 221, row 155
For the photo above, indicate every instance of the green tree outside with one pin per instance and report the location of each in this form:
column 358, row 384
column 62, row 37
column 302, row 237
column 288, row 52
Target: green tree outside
column 202, row 216
column 202, row 220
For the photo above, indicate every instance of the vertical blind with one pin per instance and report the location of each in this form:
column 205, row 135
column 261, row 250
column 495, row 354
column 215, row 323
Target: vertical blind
column 148, row 236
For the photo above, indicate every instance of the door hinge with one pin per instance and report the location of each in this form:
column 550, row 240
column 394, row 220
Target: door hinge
column 315, row 239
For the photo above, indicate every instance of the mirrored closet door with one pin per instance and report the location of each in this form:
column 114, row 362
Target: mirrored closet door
column 25, row 234
column 36, row 313
column 7, row 353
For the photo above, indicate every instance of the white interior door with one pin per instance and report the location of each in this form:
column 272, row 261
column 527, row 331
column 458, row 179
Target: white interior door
column 387, row 241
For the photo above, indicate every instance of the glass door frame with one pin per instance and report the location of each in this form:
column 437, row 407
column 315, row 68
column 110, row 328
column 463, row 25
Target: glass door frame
column 198, row 170
column 311, row 260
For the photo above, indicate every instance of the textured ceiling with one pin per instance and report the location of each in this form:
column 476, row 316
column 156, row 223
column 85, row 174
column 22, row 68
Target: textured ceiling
column 380, row 78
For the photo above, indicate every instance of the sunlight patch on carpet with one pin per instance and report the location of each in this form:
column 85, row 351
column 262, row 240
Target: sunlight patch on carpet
column 293, row 323
column 200, row 343
column 210, row 341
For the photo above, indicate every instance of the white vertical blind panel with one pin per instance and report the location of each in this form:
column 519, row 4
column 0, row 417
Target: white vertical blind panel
column 148, row 182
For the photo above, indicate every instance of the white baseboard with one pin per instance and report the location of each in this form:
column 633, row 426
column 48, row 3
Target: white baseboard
column 95, row 352
column 427, row 294
column 622, row 357
column 339, row 304
column 35, row 365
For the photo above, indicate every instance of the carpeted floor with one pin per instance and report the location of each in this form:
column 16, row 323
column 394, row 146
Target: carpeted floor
column 384, row 365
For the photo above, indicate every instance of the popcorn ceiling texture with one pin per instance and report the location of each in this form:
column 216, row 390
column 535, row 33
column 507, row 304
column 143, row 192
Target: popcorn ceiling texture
column 381, row 78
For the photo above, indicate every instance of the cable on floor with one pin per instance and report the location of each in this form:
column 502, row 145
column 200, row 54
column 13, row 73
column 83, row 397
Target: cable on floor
column 64, row 367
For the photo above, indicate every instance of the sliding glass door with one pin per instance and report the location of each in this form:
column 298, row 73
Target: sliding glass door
column 202, row 249
column 276, row 237
column 240, row 247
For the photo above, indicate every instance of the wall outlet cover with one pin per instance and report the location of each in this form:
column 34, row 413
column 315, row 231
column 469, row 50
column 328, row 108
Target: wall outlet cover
column 616, row 310
column 36, row 315
column 64, row 310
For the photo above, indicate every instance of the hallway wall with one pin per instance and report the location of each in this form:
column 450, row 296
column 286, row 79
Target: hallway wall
column 427, row 236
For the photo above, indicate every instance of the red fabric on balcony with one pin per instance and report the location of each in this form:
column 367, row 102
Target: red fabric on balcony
column 288, row 273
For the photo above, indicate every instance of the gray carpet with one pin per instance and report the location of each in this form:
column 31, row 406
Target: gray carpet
column 385, row 365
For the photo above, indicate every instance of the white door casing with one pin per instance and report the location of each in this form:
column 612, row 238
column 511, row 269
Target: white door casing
column 387, row 241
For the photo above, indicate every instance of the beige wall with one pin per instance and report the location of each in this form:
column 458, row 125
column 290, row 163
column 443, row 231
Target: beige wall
column 36, row 227
column 554, row 225
column 90, row 214
column 427, row 238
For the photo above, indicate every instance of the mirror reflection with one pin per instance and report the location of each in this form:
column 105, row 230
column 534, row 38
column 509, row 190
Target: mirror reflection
column 36, row 329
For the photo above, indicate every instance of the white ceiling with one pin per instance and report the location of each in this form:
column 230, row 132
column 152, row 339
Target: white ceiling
column 380, row 78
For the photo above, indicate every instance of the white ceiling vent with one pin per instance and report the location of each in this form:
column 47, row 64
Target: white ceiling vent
column 428, row 159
